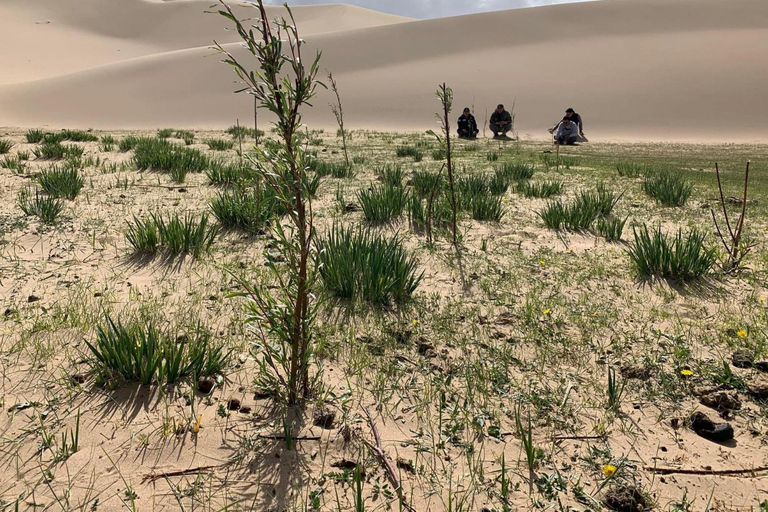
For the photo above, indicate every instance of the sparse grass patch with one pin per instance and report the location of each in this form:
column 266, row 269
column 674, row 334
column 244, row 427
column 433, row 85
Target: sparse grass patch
column 423, row 182
column 248, row 210
column 242, row 132
column 78, row 136
column 543, row 189
column 22, row 155
column 486, row 208
column 492, row 156
column 224, row 173
column 438, row 154
column 34, row 136
column 161, row 155
column 63, row 182
column 164, row 133
column 630, row 169
column 14, row 164
column 392, row 175
column 45, row 207
column 681, row 257
column 382, row 203
column 130, row 142
column 515, row 171
column 139, row 351
column 468, row 188
column 359, row 264
column 57, row 151
column 582, row 212
column 220, row 144
column 667, row 188
column 339, row 170
column 406, row 151
column 610, row 228
column 5, row 146
column 174, row 235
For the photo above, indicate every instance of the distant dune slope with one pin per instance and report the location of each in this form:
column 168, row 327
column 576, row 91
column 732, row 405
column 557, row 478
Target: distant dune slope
column 635, row 69
column 46, row 38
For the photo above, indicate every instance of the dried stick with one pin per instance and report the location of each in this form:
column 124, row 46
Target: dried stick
column 151, row 477
column 714, row 472
column 379, row 451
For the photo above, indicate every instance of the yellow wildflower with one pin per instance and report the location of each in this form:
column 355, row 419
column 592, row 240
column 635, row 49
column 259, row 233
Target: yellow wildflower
column 542, row 262
column 762, row 300
column 609, row 470
column 196, row 426
column 546, row 311
column 742, row 333
column 415, row 322
column 686, row 373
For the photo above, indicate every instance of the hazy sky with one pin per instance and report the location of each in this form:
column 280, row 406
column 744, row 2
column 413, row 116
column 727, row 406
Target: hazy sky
column 431, row 8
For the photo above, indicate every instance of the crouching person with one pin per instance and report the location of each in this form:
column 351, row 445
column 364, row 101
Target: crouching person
column 500, row 122
column 567, row 132
column 467, row 125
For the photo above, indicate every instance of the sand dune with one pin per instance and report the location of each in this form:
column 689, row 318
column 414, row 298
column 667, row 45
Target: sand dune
column 636, row 69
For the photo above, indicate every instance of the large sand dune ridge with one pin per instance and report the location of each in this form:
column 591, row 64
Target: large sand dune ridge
column 636, row 69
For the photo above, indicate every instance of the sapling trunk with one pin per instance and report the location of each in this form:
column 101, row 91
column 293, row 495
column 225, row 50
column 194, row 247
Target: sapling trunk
column 338, row 113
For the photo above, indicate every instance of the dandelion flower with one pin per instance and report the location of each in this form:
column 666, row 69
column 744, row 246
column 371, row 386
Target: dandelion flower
column 609, row 470
column 742, row 333
column 762, row 300
column 542, row 262
column 686, row 373
column 415, row 322
column 546, row 311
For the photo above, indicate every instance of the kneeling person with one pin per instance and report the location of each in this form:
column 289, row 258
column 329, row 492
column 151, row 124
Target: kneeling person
column 501, row 122
column 567, row 132
column 467, row 125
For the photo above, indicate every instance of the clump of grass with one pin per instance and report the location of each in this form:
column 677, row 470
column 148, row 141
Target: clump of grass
column 5, row 146
column 14, row 164
column 164, row 133
column 497, row 184
column 140, row 352
column 225, row 173
column 63, row 182
column 45, row 207
column 515, row 171
column 680, row 257
column 486, row 207
column 438, row 154
column 630, row 169
column 468, row 188
column 382, row 203
column 185, row 135
column 34, row 136
column 107, row 143
column 78, row 136
column 358, row 159
column 174, row 235
column 22, row 155
column 161, row 155
column 242, row 132
column 568, row 161
column 243, row 209
column 130, row 142
column 417, row 210
column 220, row 144
column 405, row 151
column 392, row 175
column 423, row 182
column 492, row 156
column 543, row 189
column 57, row 151
column 359, row 264
column 610, row 228
column 668, row 189
column 339, row 170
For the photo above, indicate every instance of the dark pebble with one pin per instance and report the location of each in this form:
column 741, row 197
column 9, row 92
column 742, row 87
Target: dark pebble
column 233, row 404
column 33, row 298
column 205, row 385
column 245, row 409
column 706, row 428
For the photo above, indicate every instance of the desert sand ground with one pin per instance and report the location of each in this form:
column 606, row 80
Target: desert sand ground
column 520, row 318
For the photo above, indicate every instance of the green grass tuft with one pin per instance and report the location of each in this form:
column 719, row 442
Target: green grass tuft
column 680, row 257
column 515, row 171
column 359, row 264
column 220, row 144
column 45, row 207
column 667, row 188
column 63, row 182
column 382, row 203
column 247, row 210
column 5, row 146
column 405, row 151
column 544, row 189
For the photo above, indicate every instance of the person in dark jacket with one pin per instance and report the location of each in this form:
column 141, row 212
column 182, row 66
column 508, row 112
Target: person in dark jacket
column 567, row 132
column 575, row 118
column 501, row 122
column 467, row 125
